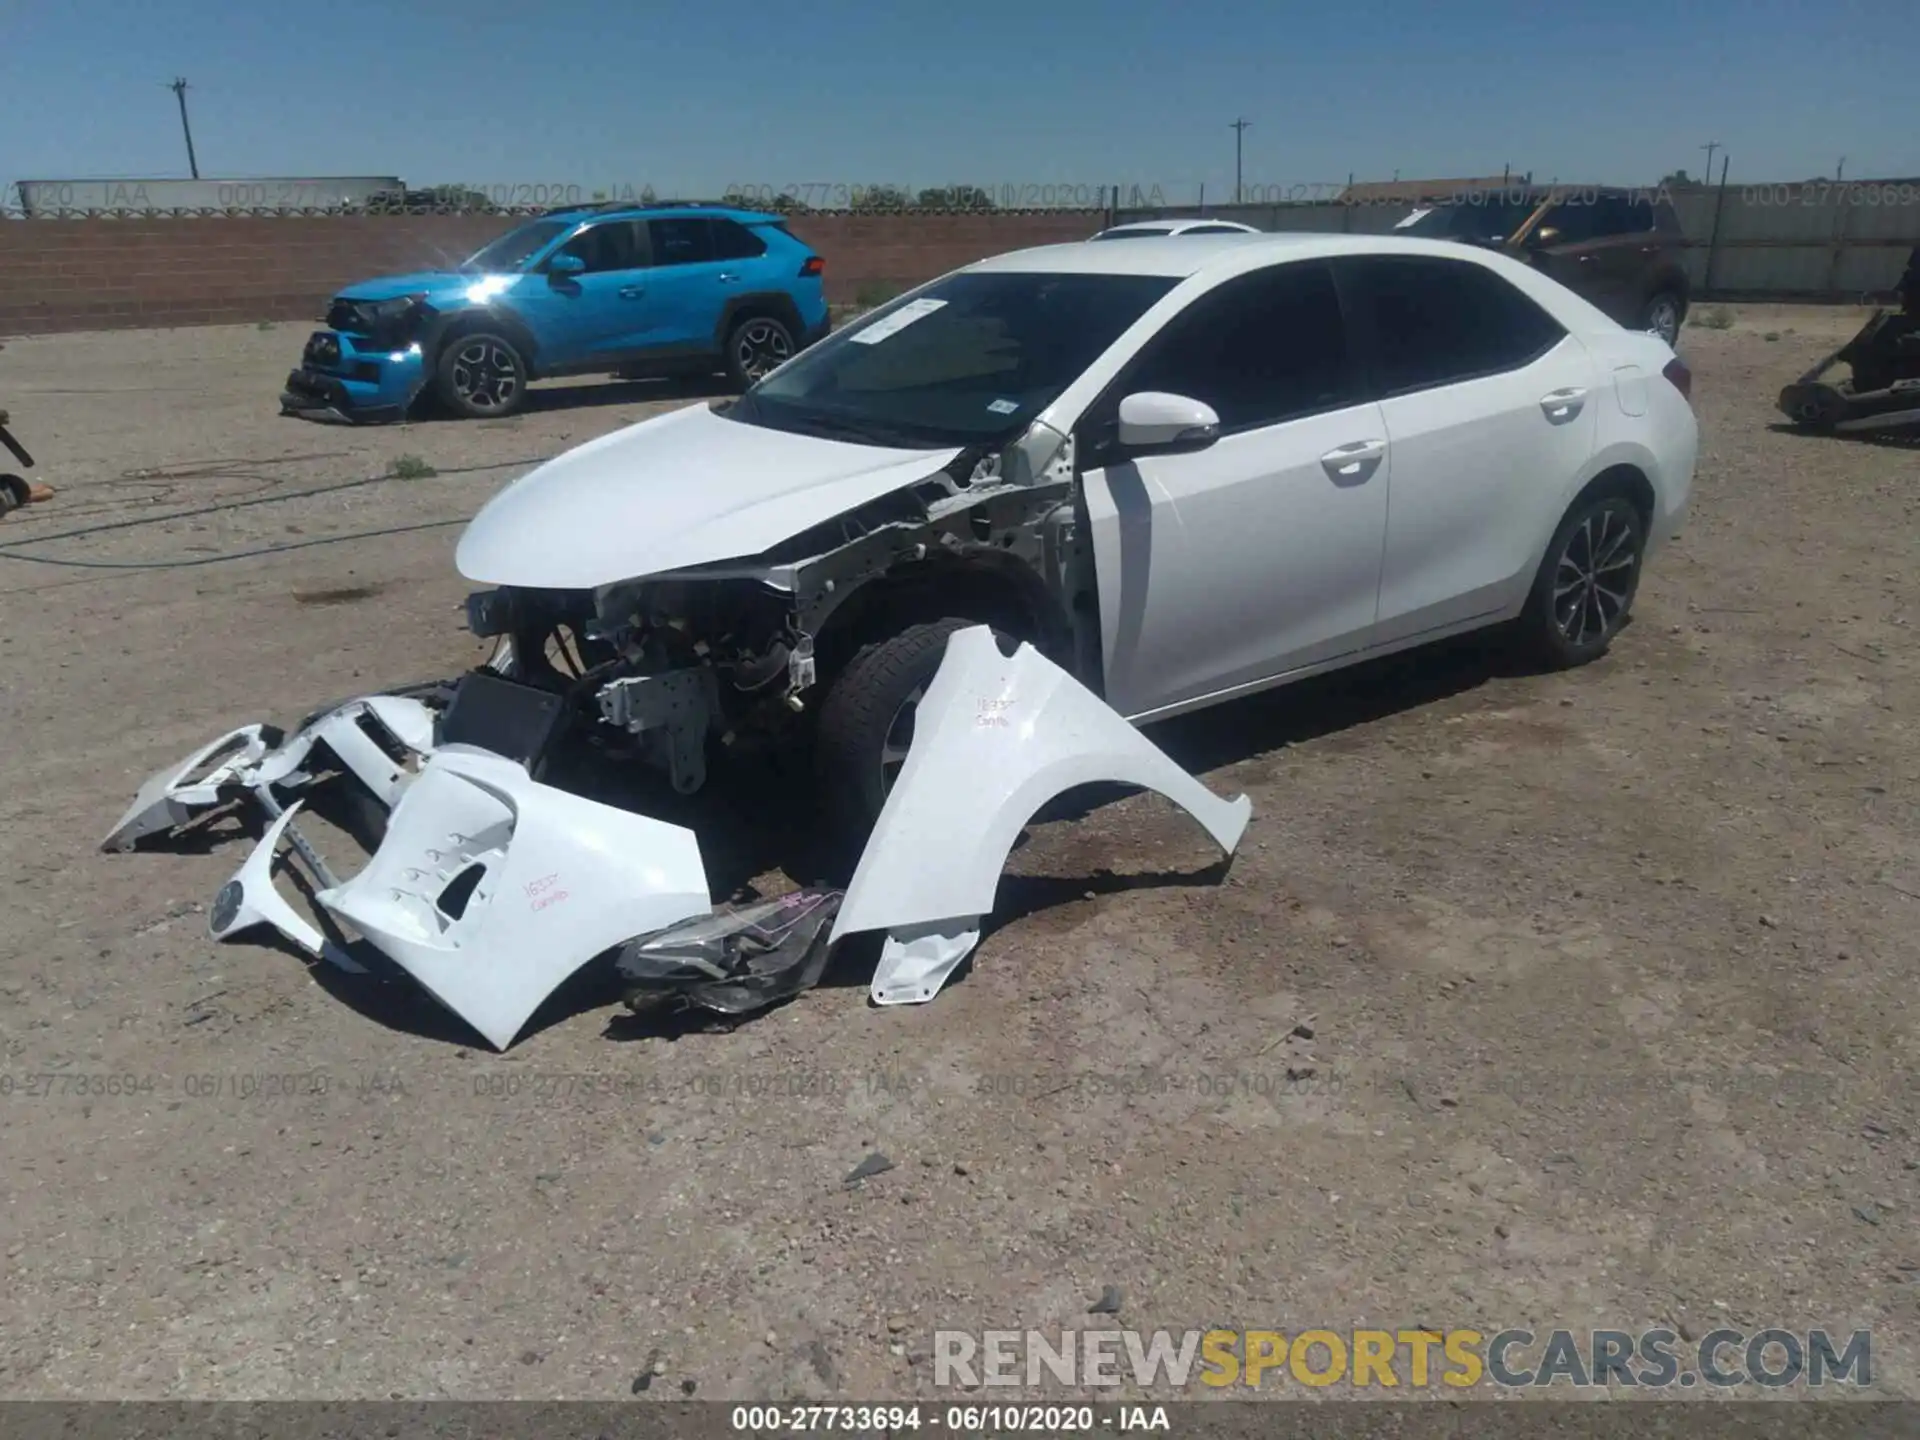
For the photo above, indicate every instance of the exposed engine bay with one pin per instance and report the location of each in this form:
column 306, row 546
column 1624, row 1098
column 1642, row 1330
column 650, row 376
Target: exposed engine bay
column 733, row 652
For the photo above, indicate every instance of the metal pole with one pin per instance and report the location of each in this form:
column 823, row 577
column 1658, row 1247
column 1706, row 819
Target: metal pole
column 1713, row 239
column 179, row 88
column 1710, row 147
column 1239, row 128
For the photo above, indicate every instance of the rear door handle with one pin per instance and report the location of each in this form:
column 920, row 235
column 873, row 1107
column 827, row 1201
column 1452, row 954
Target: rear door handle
column 1355, row 461
column 728, row 278
column 632, row 292
column 1562, row 405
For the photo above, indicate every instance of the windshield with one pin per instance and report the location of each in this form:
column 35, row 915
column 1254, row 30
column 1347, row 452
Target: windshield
column 1488, row 221
column 516, row 247
column 969, row 360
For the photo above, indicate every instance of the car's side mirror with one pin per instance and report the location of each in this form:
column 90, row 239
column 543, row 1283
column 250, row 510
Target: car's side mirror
column 1154, row 422
column 565, row 267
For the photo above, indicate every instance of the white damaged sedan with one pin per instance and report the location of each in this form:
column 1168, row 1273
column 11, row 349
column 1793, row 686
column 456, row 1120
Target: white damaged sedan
column 1022, row 509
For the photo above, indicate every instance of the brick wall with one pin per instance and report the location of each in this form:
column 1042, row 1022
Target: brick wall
column 114, row 274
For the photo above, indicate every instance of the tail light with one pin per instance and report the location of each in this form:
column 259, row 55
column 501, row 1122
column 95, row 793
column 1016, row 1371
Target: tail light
column 814, row 266
column 1680, row 377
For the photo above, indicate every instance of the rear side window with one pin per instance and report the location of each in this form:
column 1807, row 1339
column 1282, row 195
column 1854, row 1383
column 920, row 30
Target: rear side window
column 1213, row 230
column 1434, row 322
column 1260, row 349
column 733, row 241
column 683, row 240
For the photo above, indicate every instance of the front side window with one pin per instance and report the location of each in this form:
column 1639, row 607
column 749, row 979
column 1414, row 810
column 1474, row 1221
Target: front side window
column 1260, row 349
column 610, row 245
column 968, row 360
column 1474, row 218
column 1434, row 322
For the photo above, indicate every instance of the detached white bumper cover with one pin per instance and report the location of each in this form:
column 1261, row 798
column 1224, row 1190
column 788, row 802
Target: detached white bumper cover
column 491, row 889
column 995, row 738
column 254, row 755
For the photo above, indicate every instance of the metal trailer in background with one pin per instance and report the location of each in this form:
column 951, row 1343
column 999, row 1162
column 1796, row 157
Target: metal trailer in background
column 62, row 199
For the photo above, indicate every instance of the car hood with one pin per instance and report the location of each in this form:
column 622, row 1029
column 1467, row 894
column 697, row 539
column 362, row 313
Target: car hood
column 391, row 287
column 685, row 488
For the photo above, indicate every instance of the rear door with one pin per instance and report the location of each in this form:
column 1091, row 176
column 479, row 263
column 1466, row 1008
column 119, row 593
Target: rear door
column 1488, row 405
column 1224, row 567
column 691, row 283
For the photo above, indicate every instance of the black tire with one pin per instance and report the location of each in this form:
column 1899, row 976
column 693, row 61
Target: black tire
column 866, row 722
column 1664, row 314
column 1584, row 592
column 12, row 495
column 755, row 345
column 481, row 375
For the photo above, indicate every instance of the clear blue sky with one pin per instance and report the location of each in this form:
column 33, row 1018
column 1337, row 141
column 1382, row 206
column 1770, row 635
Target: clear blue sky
column 691, row 97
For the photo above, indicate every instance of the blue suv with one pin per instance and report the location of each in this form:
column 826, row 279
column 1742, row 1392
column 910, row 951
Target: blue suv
column 625, row 290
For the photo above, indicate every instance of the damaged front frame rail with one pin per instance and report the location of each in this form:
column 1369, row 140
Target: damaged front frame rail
column 491, row 888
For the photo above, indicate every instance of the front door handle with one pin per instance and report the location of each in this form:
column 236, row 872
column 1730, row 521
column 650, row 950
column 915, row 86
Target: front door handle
column 632, row 292
column 1355, row 461
column 728, row 278
column 1562, row 405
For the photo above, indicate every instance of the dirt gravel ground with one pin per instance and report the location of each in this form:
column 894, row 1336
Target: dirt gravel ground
column 1608, row 976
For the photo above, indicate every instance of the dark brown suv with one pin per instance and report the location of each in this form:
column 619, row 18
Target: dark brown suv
column 1620, row 249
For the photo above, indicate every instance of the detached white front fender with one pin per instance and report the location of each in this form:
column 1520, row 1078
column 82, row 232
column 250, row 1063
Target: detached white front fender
column 995, row 738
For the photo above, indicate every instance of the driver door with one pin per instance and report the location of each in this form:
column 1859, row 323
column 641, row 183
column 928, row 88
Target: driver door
column 1225, row 567
column 601, row 315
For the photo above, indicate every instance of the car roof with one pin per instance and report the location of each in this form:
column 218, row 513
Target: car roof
column 1181, row 256
column 661, row 210
column 1170, row 224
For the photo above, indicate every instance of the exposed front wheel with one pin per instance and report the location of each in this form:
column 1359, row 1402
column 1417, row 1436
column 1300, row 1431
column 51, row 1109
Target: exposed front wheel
column 866, row 723
column 481, row 376
column 1662, row 315
column 756, row 346
column 1586, row 584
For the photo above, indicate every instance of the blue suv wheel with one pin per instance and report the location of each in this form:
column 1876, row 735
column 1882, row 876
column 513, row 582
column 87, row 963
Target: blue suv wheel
column 481, row 376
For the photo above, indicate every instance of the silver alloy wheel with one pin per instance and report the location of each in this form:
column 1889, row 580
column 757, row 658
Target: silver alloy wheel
column 1663, row 319
column 486, row 374
column 760, row 347
column 1594, row 577
column 893, row 750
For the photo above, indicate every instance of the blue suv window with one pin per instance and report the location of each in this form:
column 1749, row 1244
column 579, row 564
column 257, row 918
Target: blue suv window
column 610, row 245
column 517, row 246
column 733, row 241
column 684, row 240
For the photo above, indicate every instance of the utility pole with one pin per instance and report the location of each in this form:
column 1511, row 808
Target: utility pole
column 1239, row 128
column 1840, row 170
column 179, row 88
column 1710, row 147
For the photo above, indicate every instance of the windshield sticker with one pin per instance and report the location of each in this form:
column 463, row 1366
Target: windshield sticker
column 896, row 322
column 1003, row 407
column 1414, row 218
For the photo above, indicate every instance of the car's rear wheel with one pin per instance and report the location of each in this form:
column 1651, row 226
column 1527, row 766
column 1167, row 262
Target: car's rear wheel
column 755, row 347
column 1585, row 588
column 481, row 376
column 866, row 723
column 1662, row 315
